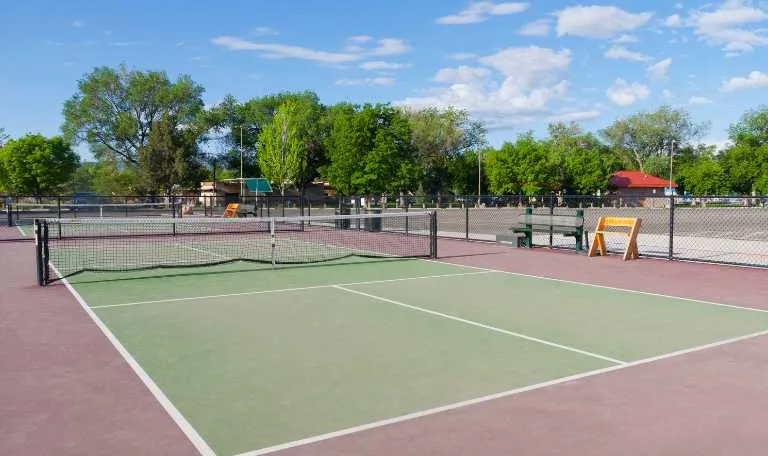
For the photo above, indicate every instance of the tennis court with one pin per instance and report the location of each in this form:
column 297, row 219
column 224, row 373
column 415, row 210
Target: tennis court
column 252, row 357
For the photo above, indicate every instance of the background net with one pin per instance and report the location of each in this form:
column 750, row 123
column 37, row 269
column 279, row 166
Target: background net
column 72, row 246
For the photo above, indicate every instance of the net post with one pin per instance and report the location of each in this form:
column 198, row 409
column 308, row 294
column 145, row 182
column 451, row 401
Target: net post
column 45, row 255
column 38, row 254
column 273, row 241
column 433, row 235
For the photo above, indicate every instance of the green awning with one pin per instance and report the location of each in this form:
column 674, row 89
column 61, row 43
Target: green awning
column 258, row 185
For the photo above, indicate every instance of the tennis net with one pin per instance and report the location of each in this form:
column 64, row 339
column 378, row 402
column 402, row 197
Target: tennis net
column 65, row 247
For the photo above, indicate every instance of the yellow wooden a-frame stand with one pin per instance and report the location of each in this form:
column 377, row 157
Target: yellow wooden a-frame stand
column 632, row 223
column 232, row 210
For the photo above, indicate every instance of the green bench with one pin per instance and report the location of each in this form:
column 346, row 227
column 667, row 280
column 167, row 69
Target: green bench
column 247, row 209
column 528, row 223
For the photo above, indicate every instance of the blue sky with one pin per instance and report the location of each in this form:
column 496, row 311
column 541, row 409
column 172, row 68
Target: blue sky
column 514, row 65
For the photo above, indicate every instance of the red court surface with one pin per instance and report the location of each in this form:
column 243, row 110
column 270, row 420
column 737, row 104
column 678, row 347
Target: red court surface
column 65, row 389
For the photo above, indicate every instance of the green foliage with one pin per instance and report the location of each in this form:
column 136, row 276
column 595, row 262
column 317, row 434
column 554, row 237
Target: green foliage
column 233, row 123
column 704, row 176
column 369, row 150
column 439, row 136
column 521, row 167
column 115, row 109
column 282, row 146
column 463, row 170
column 170, row 157
column 642, row 136
column 34, row 164
column 751, row 130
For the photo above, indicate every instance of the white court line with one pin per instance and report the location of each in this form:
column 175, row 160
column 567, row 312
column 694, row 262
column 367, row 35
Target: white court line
column 284, row 290
column 482, row 325
column 491, row 397
column 604, row 287
column 194, row 437
column 204, row 251
column 21, row 231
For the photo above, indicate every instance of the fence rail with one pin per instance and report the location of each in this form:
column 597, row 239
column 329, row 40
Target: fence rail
column 730, row 230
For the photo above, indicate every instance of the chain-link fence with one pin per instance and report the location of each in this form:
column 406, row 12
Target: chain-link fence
column 732, row 230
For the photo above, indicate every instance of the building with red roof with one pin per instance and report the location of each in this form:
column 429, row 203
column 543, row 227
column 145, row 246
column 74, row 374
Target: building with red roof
column 638, row 188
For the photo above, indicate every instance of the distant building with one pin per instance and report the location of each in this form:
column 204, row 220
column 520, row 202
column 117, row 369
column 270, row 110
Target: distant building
column 636, row 188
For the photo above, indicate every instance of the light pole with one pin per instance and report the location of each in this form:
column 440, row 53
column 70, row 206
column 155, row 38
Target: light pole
column 479, row 176
column 241, row 163
column 671, row 154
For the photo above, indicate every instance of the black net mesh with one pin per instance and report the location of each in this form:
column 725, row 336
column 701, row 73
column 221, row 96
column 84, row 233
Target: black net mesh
column 72, row 246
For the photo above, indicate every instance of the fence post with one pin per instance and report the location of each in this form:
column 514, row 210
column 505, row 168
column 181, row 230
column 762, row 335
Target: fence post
column 671, row 254
column 58, row 206
column 551, row 212
column 466, row 219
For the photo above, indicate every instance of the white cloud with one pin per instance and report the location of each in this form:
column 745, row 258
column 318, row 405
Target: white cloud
column 461, row 75
column 659, row 69
column 625, row 39
column 697, row 100
column 518, row 84
column 283, row 51
column 623, row 93
column 480, row 11
column 379, row 65
column 536, row 28
column 755, row 80
column 598, row 21
column 125, row 43
column 360, row 38
column 390, row 46
column 667, row 94
column 370, row 82
column 673, row 21
column 725, row 26
column 265, row 31
column 462, row 56
column 383, row 47
column 574, row 116
column 77, row 23
column 622, row 53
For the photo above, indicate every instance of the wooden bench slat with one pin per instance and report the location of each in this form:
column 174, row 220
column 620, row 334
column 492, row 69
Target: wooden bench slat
column 550, row 220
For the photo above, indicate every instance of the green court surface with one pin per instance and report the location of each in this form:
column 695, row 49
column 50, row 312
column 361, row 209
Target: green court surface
column 254, row 357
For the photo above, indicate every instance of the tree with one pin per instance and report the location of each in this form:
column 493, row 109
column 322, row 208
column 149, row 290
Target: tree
column 170, row 157
column 342, row 148
column 642, row 136
column 704, row 176
column 37, row 165
column 578, row 161
column 520, row 168
column 370, row 150
column 281, row 147
column 745, row 163
column 439, row 136
column 117, row 108
column 229, row 118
